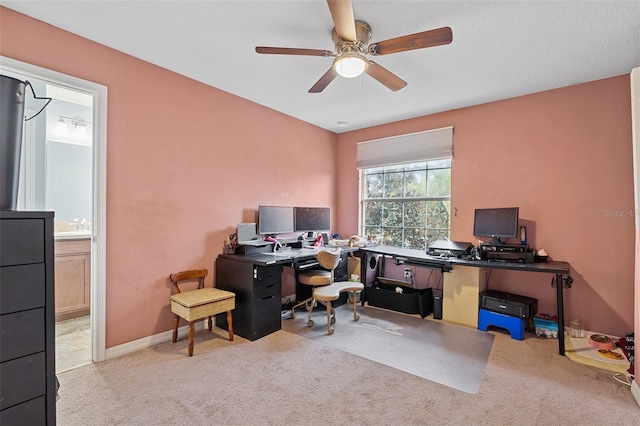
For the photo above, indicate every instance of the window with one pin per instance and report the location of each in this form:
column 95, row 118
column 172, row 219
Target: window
column 407, row 205
column 405, row 194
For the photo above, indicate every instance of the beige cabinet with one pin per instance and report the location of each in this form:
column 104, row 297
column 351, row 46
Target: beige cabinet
column 72, row 278
column 461, row 294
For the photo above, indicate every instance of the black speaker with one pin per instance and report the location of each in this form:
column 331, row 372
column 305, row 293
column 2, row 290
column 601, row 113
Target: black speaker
column 437, row 304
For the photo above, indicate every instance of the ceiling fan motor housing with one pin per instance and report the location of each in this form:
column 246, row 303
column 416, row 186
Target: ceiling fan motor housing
column 363, row 35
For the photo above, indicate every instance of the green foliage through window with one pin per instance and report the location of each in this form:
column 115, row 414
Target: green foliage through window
column 407, row 205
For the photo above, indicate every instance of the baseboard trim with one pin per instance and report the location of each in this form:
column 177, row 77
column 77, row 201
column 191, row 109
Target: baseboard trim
column 635, row 390
column 147, row 342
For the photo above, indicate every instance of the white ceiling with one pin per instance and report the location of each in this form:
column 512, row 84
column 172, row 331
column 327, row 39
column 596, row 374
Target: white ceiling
column 500, row 49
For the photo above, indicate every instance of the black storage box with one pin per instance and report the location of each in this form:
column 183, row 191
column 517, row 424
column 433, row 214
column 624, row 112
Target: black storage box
column 509, row 304
column 410, row 301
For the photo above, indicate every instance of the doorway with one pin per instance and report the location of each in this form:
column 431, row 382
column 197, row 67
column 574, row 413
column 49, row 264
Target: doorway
column 63, row 168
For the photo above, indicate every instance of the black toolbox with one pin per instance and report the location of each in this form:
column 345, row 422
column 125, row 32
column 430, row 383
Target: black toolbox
column 510, row 304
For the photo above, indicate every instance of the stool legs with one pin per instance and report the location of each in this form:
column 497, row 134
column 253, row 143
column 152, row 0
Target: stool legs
column 230, row 325
column 191, row 333
column 330, row 329
column 355, row 313
column 176, row 320
column 303, row 303
column 312, row 305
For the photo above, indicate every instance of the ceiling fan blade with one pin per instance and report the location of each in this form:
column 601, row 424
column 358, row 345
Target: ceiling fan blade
column 343, row 20
column 385, row 76
column 421, row 40
column 293, row 51
column 324, row 81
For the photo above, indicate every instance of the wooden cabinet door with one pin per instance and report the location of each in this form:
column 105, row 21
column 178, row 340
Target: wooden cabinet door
column 73, row 278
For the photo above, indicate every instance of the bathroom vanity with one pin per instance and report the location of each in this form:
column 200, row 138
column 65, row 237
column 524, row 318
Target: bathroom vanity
column 73, row 274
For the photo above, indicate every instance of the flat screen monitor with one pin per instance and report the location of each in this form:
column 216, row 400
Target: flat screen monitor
column 312, row 219
column 247, row 232
column 496, row 223
column 275, row 220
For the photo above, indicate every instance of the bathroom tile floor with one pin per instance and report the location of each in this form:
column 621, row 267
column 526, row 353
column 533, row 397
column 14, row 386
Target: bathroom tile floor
column 73, row 343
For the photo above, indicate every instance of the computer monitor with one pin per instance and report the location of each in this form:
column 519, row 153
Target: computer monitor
column 273, row 220
column 497, row 223
column 308, row 219
column 247, row 232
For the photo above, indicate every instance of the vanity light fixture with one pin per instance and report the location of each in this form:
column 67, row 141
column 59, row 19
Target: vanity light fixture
column 61, row 125
column 78, row 123
column 81, row 128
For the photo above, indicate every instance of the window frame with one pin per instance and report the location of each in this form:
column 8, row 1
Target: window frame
column 405, row 168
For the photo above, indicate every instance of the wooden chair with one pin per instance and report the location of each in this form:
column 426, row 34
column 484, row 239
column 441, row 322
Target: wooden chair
column 195, row 305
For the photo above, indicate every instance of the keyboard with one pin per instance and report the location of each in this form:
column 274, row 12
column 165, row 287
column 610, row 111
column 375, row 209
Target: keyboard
column 254, row 243
column 306, row 264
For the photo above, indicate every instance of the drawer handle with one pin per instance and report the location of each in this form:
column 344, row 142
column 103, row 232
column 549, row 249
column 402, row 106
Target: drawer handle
column 267, row 297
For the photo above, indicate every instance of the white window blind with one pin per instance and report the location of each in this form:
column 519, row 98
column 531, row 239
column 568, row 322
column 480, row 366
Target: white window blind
column 410, row 148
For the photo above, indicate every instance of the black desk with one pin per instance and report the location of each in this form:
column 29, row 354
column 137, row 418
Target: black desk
column 256, row 281
column 420, row 258
column 296, row 257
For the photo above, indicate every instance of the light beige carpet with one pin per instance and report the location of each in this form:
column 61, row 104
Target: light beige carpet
column 448, row 354
column 287, row 379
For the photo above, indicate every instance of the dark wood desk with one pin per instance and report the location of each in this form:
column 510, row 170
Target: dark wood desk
column 420, row 258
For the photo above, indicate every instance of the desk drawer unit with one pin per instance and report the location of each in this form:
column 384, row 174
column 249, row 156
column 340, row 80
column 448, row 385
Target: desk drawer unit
column 340, row 273
column 27, row 321
column 257, row 290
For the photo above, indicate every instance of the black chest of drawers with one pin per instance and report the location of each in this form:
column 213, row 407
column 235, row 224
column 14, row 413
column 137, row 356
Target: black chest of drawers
column 27, row 319
column 257, row 290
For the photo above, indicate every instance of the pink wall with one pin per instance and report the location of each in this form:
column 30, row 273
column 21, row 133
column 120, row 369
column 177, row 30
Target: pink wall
column 564, row 157
column 182, row 161
column 186, row 163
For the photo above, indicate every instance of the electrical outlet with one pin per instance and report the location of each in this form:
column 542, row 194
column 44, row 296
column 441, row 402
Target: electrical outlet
column 408, row 273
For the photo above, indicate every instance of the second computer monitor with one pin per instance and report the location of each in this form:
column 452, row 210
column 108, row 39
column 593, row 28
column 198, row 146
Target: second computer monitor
column 312, row 219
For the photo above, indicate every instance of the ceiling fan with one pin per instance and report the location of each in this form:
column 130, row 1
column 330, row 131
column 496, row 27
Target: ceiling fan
column 351, row 38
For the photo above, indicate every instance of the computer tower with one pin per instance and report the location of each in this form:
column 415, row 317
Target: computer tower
column 437, row 304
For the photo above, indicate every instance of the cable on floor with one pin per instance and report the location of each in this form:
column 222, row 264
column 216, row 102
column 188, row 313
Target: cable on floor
column 628, row 378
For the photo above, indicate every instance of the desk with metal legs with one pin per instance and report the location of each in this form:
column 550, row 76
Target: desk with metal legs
column 420, row 258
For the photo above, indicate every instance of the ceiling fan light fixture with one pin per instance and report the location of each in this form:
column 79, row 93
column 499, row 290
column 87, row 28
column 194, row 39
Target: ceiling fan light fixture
column 350, row 65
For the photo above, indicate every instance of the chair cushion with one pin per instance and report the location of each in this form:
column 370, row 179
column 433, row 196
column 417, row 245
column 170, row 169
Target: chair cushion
column 315, row 277
column 332, row 292
column 201, row 296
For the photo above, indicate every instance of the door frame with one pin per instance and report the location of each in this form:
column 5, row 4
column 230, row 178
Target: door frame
column 99, row 189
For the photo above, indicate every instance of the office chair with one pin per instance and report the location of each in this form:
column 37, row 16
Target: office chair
column 331, row 292
column 328, row 260
column 195, row 305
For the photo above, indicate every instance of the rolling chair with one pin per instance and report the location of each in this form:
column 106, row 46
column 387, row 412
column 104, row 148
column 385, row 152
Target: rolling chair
column 195, row 305
column 328, row 260
column 331, row 292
